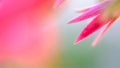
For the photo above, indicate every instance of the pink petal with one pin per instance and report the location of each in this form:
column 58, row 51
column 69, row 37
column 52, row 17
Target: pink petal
column 58, row 3
column 100, row 5
column 96, row 24
column 89, row 12
column 99, row 37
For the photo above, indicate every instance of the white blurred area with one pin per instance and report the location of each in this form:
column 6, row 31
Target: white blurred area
column 108, row 50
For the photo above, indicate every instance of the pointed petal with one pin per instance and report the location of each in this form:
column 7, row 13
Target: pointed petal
column 99, row 37
column 84, row 16
column 89, row 12
column 58, row 3
column 96, row 24
column 83, row 10
column 99, row 5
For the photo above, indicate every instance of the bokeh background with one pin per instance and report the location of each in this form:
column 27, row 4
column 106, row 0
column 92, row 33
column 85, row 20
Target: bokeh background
column 105, row 55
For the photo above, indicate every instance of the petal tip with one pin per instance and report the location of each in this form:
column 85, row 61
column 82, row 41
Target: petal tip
column 78, row 40
column 70, row 22
column 73, row 21
column 94, row 44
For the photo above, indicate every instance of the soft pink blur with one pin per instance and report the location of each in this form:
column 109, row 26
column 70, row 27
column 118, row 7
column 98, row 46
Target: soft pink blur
column 28, row 33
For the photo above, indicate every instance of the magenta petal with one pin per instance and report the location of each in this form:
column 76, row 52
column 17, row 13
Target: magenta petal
column 93, row 11
column 96, row 24
column 100, row 5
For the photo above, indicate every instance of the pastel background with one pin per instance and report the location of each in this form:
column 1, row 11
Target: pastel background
column 57, row 38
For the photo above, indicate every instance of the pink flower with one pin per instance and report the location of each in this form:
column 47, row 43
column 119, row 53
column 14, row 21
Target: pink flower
column 105, row 13
column 28, row 32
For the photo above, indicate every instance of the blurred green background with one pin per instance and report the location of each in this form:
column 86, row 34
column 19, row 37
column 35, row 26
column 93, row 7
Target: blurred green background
column 83, row 55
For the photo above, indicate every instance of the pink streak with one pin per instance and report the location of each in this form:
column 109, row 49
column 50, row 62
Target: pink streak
column 100, row 36
column 58, row 3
